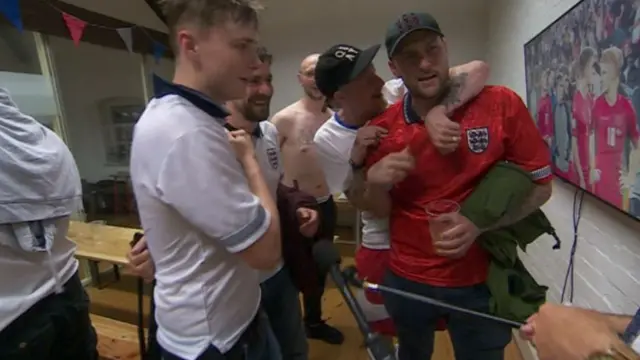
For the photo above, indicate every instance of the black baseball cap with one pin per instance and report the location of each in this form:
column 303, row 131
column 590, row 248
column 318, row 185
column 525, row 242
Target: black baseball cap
column 340, row 64
column 405, row 25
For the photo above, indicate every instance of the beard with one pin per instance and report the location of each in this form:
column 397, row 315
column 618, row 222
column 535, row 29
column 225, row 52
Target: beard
column 254, row 112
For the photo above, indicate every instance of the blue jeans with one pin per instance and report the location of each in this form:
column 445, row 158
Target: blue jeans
column 473, row 338
column 280, row 302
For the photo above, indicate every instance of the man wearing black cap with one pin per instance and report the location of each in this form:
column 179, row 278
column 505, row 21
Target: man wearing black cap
column 405, row 173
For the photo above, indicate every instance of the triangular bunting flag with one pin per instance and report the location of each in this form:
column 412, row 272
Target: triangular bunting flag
column 127, row 37
column 11, row 9
column 158, row 51
column 75, row 26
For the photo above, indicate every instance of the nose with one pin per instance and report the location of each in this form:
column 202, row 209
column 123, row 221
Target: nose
column 266, row 89
column 425, row 64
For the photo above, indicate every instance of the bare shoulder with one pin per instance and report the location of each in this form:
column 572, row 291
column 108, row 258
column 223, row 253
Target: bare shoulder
column 285, row 116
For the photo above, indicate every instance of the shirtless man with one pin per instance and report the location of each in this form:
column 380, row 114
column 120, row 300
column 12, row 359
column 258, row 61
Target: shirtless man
column 297, row 125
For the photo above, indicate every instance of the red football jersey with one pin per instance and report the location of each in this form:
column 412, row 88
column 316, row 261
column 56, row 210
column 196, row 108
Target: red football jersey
column 496, row 127
column 545, row 116
column 614, row 125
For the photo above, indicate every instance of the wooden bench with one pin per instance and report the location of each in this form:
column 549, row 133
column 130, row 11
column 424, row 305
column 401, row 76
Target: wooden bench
column 116, row 340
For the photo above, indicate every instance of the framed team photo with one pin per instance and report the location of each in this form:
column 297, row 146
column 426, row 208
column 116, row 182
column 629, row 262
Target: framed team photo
column 583, row 75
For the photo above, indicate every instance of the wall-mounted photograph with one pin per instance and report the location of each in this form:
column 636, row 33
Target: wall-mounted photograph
column 583, row 74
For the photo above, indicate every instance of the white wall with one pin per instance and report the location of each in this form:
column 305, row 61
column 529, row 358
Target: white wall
column 89, row 73
column 293, row 31
column 608, row 255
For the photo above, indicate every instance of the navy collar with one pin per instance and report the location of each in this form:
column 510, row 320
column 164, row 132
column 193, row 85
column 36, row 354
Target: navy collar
column 410, row 116
column 342, row 123
column 256, row 133
column 163, row 88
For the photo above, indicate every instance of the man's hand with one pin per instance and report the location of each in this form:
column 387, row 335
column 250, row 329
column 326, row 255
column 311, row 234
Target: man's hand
column 444, row 133
column 567, row 333
column 140, row 261
column 457, row 239
column 391, row 169
column 367, row 137
column 308, row 220
column 242, row 144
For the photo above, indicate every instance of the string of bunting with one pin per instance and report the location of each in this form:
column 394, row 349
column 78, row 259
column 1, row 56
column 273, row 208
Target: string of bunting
column 11, row 10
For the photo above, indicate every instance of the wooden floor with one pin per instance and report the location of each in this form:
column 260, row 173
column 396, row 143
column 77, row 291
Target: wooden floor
column 118, row 301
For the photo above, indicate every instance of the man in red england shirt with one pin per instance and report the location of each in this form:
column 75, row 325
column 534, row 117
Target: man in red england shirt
column 405, row 172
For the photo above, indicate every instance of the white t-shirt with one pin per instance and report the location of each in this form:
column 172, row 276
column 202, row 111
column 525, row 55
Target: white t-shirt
column 334, row 141
column 197, row 212
column 268, row 155
column 393, row 90
column 26, row 277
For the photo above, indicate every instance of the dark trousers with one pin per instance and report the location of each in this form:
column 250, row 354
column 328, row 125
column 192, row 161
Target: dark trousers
column 280, row 302
column 313, row 300
column 56, row 328
column 473, row 338
column 256, row 343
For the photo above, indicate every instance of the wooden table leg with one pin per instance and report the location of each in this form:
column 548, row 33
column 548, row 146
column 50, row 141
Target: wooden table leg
column 95, row 274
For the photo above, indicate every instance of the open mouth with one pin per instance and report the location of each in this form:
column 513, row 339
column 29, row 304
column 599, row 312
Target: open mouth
column 428, row 78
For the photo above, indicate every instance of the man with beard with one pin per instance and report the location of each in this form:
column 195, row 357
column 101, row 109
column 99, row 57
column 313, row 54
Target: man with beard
column 279, row 295
column 346, row 76
column 405, row 173
column 297, row 125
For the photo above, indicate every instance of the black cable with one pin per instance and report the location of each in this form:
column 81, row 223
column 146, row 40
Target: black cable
column 569, row 277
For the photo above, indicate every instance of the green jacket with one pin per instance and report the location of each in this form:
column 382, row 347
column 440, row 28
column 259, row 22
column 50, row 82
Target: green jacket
column 515, row 294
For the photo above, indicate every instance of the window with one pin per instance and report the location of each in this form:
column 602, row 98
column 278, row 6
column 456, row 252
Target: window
column 119, row 117
column 24, row 73
column 102, row 95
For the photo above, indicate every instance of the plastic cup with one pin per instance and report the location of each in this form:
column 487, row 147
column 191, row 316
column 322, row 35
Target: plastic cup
column 438, row 221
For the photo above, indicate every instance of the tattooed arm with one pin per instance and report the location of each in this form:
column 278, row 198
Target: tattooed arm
column 465, row 82
column 524, row 147
column 366, row 196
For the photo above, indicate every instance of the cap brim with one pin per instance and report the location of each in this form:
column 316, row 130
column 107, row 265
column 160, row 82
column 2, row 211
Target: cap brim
column 401, row 37
column 364, row 60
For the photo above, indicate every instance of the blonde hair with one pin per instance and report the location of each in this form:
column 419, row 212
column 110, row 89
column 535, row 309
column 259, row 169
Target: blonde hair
column 614, row 56
column 207, row 13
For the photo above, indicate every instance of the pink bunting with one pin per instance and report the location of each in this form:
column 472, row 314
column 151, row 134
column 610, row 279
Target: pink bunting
column 76, row 27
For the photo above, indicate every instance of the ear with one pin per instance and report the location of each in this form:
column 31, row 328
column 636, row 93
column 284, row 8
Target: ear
column 186, row 42
column 299, row 78
column 393, row 69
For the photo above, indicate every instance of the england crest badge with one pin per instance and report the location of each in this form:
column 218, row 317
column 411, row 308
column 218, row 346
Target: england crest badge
column 272, row 155
column 478, row 139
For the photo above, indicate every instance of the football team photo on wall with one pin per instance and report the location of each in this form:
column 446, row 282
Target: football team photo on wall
column 582, row 76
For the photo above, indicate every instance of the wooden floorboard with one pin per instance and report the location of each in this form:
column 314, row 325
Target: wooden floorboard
column 118, row 301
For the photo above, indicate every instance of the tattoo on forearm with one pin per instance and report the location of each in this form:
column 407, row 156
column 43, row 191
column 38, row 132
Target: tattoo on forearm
column 452, row 97
column 538, row 197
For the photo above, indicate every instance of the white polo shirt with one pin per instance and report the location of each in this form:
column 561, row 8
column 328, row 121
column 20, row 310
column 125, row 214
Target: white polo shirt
column 265, row 142
column 197, row 211
column 334, row 141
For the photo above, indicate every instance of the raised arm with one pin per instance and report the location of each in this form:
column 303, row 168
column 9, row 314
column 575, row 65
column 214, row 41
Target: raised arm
column 465, row 82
